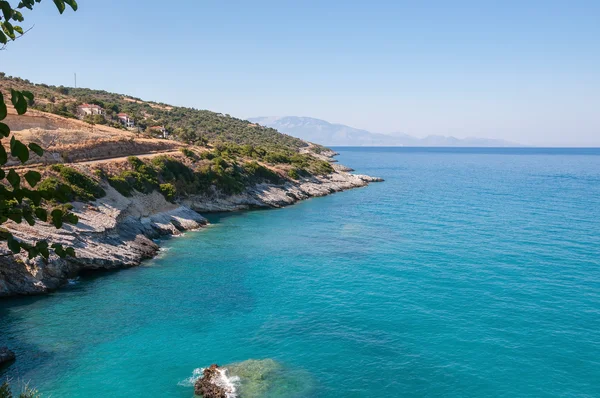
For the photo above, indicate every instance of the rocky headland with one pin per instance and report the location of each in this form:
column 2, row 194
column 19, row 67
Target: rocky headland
column 117, row 232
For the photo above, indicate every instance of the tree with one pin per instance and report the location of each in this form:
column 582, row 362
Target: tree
column 19, row 202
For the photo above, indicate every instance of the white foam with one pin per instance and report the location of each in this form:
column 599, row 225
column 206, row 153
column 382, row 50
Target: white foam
column 225, row 381
column 196, row 374
column 228, row 383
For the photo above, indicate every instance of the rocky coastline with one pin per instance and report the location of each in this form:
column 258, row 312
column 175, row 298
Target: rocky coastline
column 117, row 232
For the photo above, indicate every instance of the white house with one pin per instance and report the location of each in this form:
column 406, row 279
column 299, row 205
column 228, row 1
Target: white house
column 90, row 109
column 126, row 120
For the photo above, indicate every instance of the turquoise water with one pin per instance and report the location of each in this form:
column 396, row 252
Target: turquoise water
column 466, row 273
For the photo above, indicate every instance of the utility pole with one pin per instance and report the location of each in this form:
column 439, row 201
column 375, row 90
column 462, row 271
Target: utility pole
column 75, row 80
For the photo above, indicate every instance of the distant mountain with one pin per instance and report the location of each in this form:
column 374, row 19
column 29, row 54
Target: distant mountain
column 330, row 134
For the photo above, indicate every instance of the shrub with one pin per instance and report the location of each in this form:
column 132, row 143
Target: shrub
column 171, row 169
column 168, row 191
column 322, row 167
column 83, row 186
column 188, row 153
column 63, row 192
column 293, row 174
column 256, row 171
column 120, row 184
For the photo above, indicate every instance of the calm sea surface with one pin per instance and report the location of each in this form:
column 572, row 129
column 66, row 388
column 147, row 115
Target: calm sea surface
column 468, row 272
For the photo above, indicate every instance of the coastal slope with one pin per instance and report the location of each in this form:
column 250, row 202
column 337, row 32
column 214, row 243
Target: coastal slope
column 117, row 232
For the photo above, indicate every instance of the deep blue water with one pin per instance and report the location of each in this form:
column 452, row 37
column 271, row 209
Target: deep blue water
column 468, row 272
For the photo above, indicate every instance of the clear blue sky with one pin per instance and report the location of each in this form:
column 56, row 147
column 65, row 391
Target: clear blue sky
column 527, row 70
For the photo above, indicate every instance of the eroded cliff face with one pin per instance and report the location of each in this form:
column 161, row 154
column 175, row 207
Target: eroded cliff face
column 117, row 232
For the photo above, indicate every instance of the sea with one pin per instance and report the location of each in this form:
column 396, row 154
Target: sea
column 469, row 272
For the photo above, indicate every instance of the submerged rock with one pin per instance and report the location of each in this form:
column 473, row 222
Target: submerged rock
column 6, row 356
column 256, row 377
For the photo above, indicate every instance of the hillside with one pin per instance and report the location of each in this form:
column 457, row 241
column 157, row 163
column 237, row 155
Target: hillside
column 188, row 125
column 128, row 182
column 332, row 134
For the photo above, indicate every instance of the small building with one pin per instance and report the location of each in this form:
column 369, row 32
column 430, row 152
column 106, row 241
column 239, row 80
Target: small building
column 126, row 120
column 90, row 109
column 159, row 130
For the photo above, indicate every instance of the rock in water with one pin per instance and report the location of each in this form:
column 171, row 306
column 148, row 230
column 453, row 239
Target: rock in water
column 6, row 356
column 210, row 384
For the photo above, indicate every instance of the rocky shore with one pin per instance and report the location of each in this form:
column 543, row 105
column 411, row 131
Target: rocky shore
column 117, row 232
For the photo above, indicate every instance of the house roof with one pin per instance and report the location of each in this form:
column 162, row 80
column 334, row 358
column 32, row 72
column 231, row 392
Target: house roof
column 157, row 128
column 123, row 115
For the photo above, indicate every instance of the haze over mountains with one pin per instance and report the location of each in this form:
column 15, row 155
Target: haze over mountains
column 330, row 134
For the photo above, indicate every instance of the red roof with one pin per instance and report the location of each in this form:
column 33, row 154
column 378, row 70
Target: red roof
column 156, row 128
column 123, row 115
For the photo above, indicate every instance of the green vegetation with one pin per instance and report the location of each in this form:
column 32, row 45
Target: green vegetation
column 303, row 163
column 168, row 190
column 175, row 179
column 188, row 125
column 83, row 187
column 26, row 391
column 188, row 153
column 18, row 202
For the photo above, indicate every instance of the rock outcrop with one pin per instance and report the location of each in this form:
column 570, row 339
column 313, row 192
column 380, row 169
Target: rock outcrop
column 117, row 232
column 6, row 356
column 210, row 386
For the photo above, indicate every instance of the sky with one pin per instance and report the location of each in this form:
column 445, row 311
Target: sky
column 524, row 71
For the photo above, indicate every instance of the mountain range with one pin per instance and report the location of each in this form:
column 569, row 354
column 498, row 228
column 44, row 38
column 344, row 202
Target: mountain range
column 333, row 134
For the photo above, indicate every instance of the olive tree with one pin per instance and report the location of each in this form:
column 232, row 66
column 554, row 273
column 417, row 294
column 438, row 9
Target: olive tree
column 19, row 201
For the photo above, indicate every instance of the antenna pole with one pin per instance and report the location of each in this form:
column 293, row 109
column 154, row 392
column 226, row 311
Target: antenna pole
column 75, row 80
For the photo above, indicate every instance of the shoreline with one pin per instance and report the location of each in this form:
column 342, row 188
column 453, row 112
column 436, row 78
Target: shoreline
column 116, row 232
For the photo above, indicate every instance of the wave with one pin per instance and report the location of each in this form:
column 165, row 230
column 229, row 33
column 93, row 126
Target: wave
column 227, row 382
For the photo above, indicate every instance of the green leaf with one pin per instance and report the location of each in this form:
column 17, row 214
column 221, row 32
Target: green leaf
column 70, row 251
column 18, row 101
column 19, row 194
column 41, row 214
column 19, row 150
column 33, row 177
column 3, row 110
column 27, row 94
column 8, row 29
column 26, row 3
column 14, row 179
column 2, row 174
column 3, row 39
column 36, row 148
column 57, row 218
column 44, row 252
column 16, row 215
column 4, row 130
column 28, row 216
column 18, row 29
column 3, row 156
column 6, row 9
column 17, row 16
column 71, row 218
column 58, row 249
column 13, row 245
column 34, row 196
column 72, row 3
column 60, row 4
